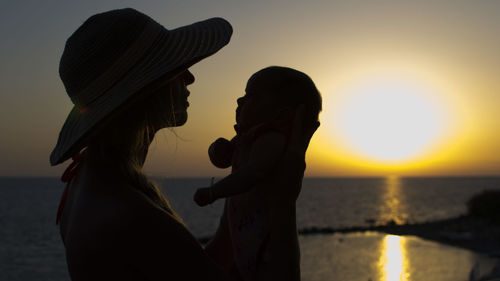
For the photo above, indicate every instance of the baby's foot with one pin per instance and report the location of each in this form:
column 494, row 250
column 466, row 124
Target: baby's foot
column 221, row 153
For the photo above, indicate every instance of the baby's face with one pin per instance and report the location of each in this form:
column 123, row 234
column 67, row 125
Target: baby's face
column 256, row 106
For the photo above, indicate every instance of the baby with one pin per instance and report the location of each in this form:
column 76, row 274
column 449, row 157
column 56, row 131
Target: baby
column 263, row 122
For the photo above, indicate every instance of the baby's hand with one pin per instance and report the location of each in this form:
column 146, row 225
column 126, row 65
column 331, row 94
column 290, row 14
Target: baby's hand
column 203, row 196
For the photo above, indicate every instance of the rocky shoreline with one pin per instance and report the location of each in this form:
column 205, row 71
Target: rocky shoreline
column 478, row 230
column 477, row 234
column 480, row 235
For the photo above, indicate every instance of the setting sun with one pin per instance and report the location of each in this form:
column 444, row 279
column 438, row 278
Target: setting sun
column 390, row 119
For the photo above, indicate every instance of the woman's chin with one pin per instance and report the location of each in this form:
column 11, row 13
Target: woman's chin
column 180, row 118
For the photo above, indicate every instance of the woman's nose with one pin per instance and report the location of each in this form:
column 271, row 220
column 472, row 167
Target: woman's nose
column 240, row 101
column 188, row 78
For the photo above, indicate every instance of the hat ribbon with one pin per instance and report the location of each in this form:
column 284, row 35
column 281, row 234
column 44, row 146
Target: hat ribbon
column 67, row 176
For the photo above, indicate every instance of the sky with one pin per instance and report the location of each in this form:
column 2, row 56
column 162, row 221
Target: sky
column 409, row 88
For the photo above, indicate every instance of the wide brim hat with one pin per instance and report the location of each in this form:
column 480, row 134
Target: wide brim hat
column 113, row 55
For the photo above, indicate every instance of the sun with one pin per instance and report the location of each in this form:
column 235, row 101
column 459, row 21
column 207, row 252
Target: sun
column 390, row 119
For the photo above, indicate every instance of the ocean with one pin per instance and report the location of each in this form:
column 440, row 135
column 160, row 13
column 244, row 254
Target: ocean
column 31, row 248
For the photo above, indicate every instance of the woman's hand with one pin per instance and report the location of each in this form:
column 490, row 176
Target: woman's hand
column 290, row 170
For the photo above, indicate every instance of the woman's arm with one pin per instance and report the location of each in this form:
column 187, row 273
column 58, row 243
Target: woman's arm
column 284, row 250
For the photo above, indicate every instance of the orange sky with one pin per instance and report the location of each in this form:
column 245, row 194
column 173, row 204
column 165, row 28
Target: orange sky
column 444, row 54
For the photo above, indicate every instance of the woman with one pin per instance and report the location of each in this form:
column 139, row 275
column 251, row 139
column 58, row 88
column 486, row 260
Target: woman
column 127, row 76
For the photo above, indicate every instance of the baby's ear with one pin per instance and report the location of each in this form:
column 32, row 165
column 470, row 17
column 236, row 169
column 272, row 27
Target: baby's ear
column 284, row 114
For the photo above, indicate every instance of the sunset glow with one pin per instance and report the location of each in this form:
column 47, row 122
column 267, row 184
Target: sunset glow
column 399, row 115
column 390, row 120
column 409, row 88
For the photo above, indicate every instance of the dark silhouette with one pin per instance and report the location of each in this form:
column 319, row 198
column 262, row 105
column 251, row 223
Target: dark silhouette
column 127, row 76
column 263, row 121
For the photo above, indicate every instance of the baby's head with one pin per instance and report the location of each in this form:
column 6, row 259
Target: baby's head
column 274, row 93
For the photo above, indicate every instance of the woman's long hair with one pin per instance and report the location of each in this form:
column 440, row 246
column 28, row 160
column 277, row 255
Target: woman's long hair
column 122, row 144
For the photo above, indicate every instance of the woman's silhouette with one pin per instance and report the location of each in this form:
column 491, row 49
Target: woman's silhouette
column 127, row 77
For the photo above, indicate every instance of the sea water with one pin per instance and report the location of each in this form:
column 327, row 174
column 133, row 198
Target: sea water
column 31, row 248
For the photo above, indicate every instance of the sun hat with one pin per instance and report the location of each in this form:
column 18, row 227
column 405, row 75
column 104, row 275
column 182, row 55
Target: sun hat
column 115, row 54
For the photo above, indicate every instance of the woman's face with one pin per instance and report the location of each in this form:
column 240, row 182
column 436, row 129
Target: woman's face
column 169, row 105
column 178, row 98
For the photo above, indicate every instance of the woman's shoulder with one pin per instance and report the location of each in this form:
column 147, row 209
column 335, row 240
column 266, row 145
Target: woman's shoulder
column 136, row 211
column 125, row 227
column 109, row 211
column 155, row 238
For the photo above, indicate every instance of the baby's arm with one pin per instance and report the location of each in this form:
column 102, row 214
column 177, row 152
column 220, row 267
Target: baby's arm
column 264, row 155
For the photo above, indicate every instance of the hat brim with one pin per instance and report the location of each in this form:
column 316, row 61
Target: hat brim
column 173, row 54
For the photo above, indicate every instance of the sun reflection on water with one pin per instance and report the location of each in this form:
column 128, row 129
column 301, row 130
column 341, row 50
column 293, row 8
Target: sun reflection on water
column 394, row 208
column 393, row 260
